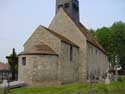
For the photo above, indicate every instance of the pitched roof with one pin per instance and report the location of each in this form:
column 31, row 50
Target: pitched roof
column 4, row 66
column 61, row 37
column 90, row 38
column 39, row 50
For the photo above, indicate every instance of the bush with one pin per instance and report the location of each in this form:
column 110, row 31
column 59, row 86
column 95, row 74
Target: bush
column 4, row 91
column 121, row 79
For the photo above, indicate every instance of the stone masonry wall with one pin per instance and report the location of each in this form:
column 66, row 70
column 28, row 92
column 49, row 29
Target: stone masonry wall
column 40, row 36
column 50, row 70
column 25, row 71
column 97, row 62
column 68, row 69
column 63, row 25
column 40, row 70
column 45, row 69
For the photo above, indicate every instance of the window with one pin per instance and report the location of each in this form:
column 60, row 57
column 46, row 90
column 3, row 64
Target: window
column 96, row 52
column 75, row 7
column 66, row 5
column 71, row 53
column 60, row 6
column 24, row 61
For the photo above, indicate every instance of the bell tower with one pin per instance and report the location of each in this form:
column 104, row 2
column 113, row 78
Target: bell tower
column 71, row 6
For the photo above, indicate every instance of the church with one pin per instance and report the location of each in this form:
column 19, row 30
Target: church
column 64, row 52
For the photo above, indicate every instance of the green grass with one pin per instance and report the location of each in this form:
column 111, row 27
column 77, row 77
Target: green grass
column 114, row 88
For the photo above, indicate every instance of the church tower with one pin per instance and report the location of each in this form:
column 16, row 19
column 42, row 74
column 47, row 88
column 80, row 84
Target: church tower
column 71, row 6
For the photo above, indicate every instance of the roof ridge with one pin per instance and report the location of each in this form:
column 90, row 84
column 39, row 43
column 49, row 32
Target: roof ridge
column 86, row 32
column 95, row 40
column 39, row 49
column 60, row 36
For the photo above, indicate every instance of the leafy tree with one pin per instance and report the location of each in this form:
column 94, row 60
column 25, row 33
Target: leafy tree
column 92, row 32
column 113, row 40
column 118, row 30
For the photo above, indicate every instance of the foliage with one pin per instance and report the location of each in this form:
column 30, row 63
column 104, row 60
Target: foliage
column 114, row 88
column 118, row 29
column 13, row 62
column 113, row 40
column 5, row 91
column 121, row 79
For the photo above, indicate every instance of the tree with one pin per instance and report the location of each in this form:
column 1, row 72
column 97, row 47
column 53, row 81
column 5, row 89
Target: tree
column 113, row 40
column 13, row 62
column 118, row 29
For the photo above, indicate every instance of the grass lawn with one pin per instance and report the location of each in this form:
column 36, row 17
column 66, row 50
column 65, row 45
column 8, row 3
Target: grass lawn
column 114, row 88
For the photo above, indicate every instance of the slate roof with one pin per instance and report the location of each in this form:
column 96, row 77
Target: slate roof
column 64, row 39
column 90, row 38
column 42, row 49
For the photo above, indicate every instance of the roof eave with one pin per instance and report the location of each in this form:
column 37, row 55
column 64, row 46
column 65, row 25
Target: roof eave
column 97, row 47
column 37, row 54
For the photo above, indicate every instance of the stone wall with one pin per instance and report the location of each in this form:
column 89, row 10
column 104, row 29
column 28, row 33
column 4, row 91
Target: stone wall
column 40, row 70
column 68, row 66
column 49, row 70
column 45, row 70
column 40, row 36
column 25, row 72
column 97, row 62
column 63, row 25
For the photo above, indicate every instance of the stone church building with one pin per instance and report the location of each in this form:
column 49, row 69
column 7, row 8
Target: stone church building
column 65, row 52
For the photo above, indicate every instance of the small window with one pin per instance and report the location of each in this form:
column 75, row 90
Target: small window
column 71, row 53
column 66, row 5
column 75, row 7
column 96, row 52
column 60, row 6
column 24, row 61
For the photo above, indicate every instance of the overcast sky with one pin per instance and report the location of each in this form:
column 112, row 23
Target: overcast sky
column 19, row 18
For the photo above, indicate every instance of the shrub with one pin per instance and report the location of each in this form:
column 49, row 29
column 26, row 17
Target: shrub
column 4, row 91
column 121, row 79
